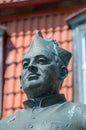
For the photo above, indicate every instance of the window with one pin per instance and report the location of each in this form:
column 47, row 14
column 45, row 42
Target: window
column 83, row 48
column 78, row 24
column 2, row 36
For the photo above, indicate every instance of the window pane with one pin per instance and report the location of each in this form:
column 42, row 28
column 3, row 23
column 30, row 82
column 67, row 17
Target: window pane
column 83, row 37
column 83, row 40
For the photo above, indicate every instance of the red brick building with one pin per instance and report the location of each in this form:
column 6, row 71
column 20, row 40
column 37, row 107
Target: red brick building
column 63, row 20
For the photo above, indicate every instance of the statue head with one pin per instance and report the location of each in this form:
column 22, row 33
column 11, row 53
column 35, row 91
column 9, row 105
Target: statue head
column 44, row 67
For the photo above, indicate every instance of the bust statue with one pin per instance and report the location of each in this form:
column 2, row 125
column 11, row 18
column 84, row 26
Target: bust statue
column 44, row 67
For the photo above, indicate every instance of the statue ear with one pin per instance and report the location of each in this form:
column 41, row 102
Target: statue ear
column 63, row 72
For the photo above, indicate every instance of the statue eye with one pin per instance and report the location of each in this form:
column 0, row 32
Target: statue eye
column 42, row 60
column 25, row 65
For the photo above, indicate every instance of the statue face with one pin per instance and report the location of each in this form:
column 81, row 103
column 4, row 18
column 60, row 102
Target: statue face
column 39, row 74
column 42, row 68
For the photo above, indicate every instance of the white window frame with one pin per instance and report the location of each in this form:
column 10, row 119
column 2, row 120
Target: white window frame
column 1, row 67
column 83, row 48
column 78, row 25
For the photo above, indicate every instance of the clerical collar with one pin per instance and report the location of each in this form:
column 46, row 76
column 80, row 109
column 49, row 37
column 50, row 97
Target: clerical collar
column 45, row 101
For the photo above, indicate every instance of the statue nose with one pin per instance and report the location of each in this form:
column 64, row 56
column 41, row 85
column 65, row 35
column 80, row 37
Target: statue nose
column 32, row 66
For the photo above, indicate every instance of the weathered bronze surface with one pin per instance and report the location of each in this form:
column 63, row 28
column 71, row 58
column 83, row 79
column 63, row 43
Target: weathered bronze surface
column 44, row 69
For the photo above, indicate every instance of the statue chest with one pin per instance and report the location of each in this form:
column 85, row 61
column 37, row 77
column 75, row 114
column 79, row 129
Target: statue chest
column 49, row 118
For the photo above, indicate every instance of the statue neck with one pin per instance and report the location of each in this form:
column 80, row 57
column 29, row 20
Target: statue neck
column 45, row 101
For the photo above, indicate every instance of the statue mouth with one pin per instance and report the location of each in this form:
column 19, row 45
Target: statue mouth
column 33, row 76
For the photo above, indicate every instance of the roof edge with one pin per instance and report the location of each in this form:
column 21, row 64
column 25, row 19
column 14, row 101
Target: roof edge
column 27, row 3
column 77, row 18
column 75, row 14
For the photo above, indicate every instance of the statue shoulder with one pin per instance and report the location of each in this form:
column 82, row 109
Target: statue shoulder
column 81, row 106
column 5, row 122
column 78, row 112
column 81, row 109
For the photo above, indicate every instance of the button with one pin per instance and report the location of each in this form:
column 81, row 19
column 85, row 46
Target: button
column 30, row 126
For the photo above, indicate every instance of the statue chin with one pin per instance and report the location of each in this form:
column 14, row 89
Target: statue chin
column 32, row 91
column 36, row 91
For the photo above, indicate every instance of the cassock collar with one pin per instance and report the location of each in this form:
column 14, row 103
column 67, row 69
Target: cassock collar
column 45, row 101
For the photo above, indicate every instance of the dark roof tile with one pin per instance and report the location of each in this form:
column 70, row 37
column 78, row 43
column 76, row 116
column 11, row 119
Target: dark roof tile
column 10, row 71
column 9, row 86
column 18, row 70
